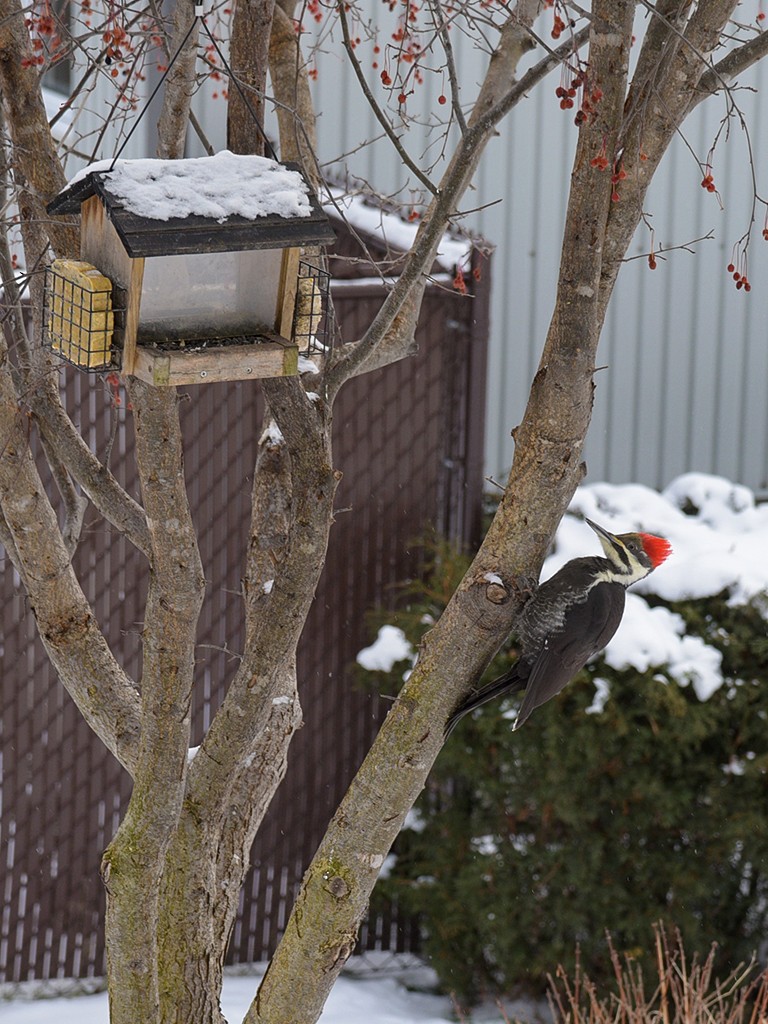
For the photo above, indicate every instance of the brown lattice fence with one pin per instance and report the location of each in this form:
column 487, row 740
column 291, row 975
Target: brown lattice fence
column 409, row 442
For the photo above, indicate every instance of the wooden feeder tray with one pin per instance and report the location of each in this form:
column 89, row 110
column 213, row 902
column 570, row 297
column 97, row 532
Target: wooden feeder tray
column 208, row 361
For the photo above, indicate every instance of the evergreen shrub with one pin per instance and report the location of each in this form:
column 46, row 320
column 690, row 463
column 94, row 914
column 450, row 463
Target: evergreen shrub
column 526, row 845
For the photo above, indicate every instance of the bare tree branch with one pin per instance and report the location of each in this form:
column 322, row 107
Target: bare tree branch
column 382, row 344
column 74, row 504
column 106, row 494
column 378, row 113
column 37, row 169
column 441, row 24
column 725, row 71
column 107, row 699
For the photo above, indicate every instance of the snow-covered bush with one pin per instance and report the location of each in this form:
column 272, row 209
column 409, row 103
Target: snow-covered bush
column 639, row 794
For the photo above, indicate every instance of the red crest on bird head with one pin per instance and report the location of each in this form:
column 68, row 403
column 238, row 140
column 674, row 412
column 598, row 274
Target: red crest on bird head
column 657, row 548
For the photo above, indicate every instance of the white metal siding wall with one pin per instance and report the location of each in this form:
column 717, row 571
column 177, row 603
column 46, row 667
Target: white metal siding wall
column 686, row 355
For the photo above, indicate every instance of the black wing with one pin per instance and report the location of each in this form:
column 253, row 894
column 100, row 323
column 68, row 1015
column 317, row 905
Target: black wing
column 586, row 629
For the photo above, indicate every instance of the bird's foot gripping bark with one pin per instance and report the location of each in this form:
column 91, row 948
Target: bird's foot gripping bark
column 526, row 587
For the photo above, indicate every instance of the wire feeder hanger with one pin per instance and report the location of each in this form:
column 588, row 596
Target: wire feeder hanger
column 199, row 16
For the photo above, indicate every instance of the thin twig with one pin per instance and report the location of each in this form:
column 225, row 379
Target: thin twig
column 686, row 246
column 450, row 62
column 377, row 111
column 531, row 78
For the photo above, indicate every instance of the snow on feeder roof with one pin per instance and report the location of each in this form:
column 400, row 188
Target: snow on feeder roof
column 203, row 258
column 225, row 202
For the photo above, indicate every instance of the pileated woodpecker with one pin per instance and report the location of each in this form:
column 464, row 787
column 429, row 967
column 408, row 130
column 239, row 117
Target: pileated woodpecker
column 570, row 618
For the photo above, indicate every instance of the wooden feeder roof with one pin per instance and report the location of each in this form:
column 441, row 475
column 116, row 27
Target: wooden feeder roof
column 144, row 235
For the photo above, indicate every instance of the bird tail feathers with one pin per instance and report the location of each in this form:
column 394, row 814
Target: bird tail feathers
column 511, row 682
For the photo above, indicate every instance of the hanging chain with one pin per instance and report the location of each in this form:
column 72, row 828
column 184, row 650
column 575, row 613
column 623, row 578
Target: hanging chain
column 199, row 15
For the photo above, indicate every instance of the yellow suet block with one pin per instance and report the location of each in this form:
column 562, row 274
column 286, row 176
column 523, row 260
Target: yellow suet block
column 80, row 318
column 309, row 308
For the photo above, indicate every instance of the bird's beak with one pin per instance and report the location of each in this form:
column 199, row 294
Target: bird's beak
column 600, row 531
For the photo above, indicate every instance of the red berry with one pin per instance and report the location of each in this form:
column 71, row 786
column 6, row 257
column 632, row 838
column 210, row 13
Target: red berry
column 441, row 99
column 730, row 268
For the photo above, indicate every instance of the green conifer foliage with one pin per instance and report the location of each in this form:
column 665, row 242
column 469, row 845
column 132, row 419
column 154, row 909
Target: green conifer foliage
column 655, row 809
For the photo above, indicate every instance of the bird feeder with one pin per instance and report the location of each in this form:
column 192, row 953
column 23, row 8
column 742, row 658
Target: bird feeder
column 189, row 270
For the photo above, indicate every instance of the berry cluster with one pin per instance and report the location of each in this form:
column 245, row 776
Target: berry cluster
column 460, row 280
column 740, row 279
column 46, row 44
column 115, row 39
column 568, row 90
column 315, row 10
column 619, row 174
column 113, row 382
column 558, row 26
column 708, row 182
column 601, row 160
column 403, row 55
column 566, row 96
column 737, row 268
column 215, row 73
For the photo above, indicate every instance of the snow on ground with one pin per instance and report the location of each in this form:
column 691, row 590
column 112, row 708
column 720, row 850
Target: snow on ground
column 719, row 537
column 389, row 647
column 353, row 1000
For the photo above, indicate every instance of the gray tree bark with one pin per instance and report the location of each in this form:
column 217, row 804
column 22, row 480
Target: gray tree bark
column 174, row 870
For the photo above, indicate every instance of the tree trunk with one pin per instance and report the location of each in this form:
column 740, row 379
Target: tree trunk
column 177, row 97
column 334, row 895
column 234, row 775
column 134, row 863
column 249, row 61
column 288, row 71
column 175, row 868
